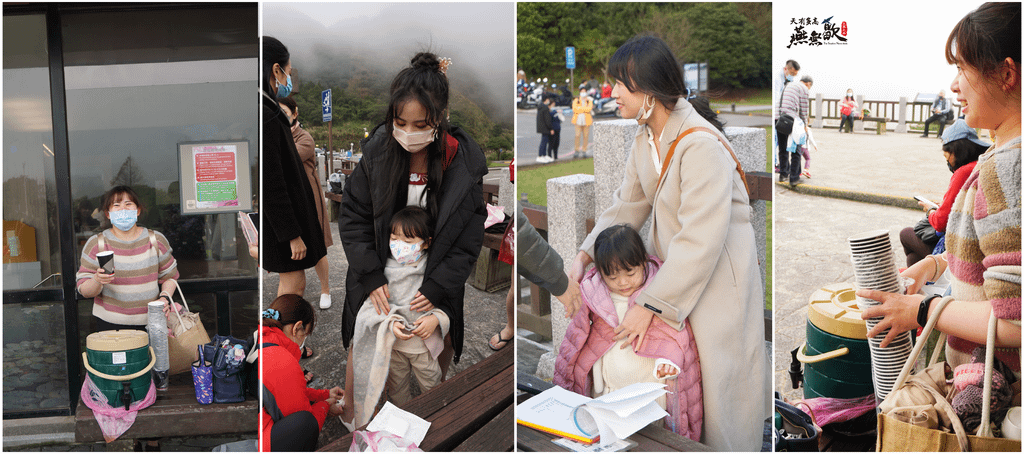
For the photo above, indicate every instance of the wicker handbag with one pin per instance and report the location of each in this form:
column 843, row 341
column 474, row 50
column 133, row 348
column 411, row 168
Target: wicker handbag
column 896, row 435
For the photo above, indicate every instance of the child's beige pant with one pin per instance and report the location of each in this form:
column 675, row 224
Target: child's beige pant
column 426, row 369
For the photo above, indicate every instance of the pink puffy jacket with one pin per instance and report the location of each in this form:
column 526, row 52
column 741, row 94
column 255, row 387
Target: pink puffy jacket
column 589, row 336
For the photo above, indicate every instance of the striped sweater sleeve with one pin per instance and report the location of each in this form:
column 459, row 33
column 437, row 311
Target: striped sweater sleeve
column 168, row 268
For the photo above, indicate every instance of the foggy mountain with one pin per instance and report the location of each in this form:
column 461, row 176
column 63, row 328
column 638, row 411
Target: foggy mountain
column 331, row 43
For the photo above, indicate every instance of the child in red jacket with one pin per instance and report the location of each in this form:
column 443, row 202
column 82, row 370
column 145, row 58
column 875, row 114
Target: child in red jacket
column 292, row 414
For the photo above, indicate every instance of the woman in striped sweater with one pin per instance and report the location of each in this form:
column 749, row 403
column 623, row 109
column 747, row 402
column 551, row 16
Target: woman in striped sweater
column 983, row 241
column 144, row 269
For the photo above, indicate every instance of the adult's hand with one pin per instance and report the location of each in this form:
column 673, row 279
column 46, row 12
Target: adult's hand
column 379, row 298
column 332, row 409
column 420, row 303
column 579, row 266
column 337, row 393
column 899, row 312
column 298, row 248
column 571, row 298
column 924, row 206
column 634, row 325
column 103, row 278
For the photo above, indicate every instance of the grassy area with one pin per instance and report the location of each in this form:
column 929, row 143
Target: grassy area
column 744, row 97
column 533, row 181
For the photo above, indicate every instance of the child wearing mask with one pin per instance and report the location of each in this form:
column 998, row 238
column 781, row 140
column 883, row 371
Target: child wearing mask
column 390, row 338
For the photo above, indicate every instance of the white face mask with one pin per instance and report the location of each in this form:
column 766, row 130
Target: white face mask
column 645, row 112
column 412, row 141
column 406, row 253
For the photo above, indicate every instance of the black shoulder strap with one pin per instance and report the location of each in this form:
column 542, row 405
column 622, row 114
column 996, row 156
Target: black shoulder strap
column 269, row 403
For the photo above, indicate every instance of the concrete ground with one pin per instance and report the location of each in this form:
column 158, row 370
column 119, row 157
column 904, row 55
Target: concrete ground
column 860, row 182
column 484, row 316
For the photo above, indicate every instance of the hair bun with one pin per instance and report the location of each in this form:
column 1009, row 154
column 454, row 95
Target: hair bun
column 426, row 60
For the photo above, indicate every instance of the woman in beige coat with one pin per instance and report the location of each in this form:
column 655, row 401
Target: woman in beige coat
column 307, row 153
column 701, row 229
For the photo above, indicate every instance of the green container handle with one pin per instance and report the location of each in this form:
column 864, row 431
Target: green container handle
column 152, row 362
column 800, row 356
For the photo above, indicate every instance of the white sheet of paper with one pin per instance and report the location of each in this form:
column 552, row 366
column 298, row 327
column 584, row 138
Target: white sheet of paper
column 399, row 422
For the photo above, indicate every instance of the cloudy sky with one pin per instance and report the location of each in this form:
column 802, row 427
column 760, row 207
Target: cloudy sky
column 478, row 37
column 894, row 48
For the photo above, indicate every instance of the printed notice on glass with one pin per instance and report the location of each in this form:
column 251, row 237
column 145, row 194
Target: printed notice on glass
column 216, row 183
column 215, row 177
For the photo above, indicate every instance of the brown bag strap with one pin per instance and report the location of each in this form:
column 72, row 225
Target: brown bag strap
column 672, row 150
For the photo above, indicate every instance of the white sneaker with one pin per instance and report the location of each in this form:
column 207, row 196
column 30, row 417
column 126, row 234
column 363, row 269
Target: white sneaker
column 325, row 300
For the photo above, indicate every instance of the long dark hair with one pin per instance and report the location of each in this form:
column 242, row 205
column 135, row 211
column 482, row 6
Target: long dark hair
column 619, row 247
column 645, row 63
column 964, row 152
column 291, row 309
column 274, row 51
column 424, row 82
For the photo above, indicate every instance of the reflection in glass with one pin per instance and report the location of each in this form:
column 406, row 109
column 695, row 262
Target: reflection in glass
column 34, row 357
column 182, row 77
column 30, row 247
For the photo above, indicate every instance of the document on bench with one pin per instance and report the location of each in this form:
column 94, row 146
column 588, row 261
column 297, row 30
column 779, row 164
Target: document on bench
column 609, row 418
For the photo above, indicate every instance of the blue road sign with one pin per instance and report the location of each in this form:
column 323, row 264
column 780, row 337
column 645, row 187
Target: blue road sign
column 325, row 103
column 570, row 57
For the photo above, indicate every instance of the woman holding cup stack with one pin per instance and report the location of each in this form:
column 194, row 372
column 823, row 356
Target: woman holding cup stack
column 140, row 269
column 983, row 232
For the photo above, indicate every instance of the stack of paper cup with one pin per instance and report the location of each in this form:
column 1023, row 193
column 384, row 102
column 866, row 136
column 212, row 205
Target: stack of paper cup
column 874, row 267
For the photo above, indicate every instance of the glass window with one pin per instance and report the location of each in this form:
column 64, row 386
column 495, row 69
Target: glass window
column 35, row 365
column 135, row 93
column 31, row 251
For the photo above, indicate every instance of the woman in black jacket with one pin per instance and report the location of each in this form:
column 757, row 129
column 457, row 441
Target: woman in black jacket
column 291, row 239
column 414, row 158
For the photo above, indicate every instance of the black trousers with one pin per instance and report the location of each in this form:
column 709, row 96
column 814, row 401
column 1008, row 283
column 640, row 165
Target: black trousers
column 297, row 432
column 789, row 163
column 937, row 118
column 556, row 138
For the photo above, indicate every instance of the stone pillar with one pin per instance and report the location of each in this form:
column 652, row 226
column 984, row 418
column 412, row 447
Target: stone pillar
column 858, row 125
column 902, row 125
column 819, row 114
column 749, row 145
column 612, row 143
column 506, row 193
column 570, row 203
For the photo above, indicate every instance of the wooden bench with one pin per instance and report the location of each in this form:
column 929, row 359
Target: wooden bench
column 652, row 438
column 472, row 411
column 491, row 274
column 176, row 413
column 880, row 124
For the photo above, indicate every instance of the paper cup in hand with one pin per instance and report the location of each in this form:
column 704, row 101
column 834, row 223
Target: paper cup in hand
column 106, row 259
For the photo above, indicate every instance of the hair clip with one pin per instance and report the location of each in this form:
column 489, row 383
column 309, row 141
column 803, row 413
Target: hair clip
column 443, row 65
column 272, row 314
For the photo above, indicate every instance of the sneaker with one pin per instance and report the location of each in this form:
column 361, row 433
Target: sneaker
column 325, row 300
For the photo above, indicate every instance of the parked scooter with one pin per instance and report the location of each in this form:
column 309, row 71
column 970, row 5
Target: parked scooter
column 562, row 96
column 605, row 107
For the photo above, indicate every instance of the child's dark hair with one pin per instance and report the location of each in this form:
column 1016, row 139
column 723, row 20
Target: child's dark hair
column 291, row 308
column 646, row 64
column 424, row 82
column 619, row 247
column 964, row 152
column 412, row 221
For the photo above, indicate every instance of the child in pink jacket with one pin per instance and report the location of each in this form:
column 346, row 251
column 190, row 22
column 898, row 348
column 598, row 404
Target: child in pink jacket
column 591, row 363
